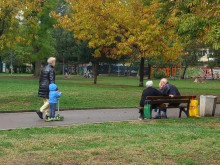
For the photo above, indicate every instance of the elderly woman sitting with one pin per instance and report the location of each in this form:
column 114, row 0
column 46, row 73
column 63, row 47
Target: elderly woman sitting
column 149, row 91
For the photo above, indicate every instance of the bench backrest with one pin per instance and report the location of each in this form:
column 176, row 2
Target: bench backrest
column 168, row 99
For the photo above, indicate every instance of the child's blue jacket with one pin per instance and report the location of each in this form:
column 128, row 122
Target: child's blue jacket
column 53, row 94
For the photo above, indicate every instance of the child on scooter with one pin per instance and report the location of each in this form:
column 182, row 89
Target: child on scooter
column 54, row 94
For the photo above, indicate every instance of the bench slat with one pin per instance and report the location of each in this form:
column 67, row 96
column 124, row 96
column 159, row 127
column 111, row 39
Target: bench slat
column 161, row 107
column 167, row 101
column 168, row 97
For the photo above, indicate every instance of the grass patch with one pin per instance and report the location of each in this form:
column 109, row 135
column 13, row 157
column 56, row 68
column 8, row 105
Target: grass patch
column 19, row 92
column 176, row 141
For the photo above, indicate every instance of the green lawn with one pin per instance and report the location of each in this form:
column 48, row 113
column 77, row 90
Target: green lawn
column 173, row 141
column 19, row 92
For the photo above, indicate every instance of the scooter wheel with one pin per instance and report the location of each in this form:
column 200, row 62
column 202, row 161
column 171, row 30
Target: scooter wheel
column 61, row 118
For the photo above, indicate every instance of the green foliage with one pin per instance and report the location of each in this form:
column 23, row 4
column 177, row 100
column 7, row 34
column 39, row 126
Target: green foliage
column 159, row 74
column 40, row 43
column 193, row 20
column 66, row 46
column 193, row 72
column 193, row 55
column 214, row 36
column 192, row 25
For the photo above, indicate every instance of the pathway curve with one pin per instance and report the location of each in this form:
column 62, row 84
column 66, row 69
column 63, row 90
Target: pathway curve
column 30, row 119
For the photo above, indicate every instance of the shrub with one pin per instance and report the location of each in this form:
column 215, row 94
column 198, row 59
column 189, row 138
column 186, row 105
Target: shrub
column 159, row 74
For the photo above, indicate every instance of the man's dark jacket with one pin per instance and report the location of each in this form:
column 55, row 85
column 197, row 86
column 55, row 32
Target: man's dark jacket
column 46, row 78
column 170, row 89
column 149, row 92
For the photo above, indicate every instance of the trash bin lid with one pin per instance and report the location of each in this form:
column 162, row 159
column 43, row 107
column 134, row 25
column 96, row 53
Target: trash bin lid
column 210, row 96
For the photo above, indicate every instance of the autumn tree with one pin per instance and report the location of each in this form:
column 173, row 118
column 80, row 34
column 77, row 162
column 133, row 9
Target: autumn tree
column 67, row 48
column 196, row 23
column 37, row 33
column 195, row 20
column 12, row 15
column 118, row 28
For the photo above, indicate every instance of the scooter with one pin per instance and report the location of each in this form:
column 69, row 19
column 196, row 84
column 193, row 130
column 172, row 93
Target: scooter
column 58, row 116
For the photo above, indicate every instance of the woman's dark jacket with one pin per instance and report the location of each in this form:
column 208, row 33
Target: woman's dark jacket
column 46, row 78
column 148, row 92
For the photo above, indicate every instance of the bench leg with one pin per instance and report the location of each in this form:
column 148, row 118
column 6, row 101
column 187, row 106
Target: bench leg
column 151, row 112
column 180, row 113
column 185, row 111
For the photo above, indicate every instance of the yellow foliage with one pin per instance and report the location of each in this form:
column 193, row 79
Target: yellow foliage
column 11, row 12
column 127, row 25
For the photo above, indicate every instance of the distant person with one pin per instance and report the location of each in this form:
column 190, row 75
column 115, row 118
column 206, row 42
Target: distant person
column 54, row 94
column 90, row 75
column 149, row 91
column 167, row 90
column 85, row 71
column 47, row 77
column 66, row 72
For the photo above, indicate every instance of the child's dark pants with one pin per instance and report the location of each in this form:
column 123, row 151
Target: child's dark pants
column 52, row 110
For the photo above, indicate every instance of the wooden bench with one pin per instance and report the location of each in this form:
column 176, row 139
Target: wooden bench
column 162, row 102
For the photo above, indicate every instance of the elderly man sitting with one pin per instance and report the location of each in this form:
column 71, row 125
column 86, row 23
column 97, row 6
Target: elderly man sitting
column 166, row 89
column 149, row 91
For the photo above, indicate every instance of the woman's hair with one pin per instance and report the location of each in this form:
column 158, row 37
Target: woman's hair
column 50, row 60
column 149, row 84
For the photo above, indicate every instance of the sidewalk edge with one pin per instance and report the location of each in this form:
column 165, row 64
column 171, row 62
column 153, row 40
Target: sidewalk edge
column 67, row 109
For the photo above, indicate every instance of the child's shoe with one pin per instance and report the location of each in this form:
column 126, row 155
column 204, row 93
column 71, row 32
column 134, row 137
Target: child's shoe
column 54, row 119
column 49, row 119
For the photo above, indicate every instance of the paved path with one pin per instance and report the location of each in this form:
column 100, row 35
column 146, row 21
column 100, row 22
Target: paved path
column 30, row 119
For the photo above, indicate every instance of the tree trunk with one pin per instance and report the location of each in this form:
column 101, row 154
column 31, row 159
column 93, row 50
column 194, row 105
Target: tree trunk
column 95, row 71
column 75, row 69
column 82, row 71
column 149, row 70
column 0, row 64
column 141, row 83
column 130, row 69
column 212, row 73
column 184, row 72
column 109, row 69
column 37, row 68
column 124, row 69
column 63, row 66
column 171, row 71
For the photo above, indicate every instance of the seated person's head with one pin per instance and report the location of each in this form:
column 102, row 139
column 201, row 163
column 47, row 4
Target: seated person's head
column 149, row 84
column 163, row 82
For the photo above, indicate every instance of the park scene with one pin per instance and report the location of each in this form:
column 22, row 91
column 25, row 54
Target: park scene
column 109, row 82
